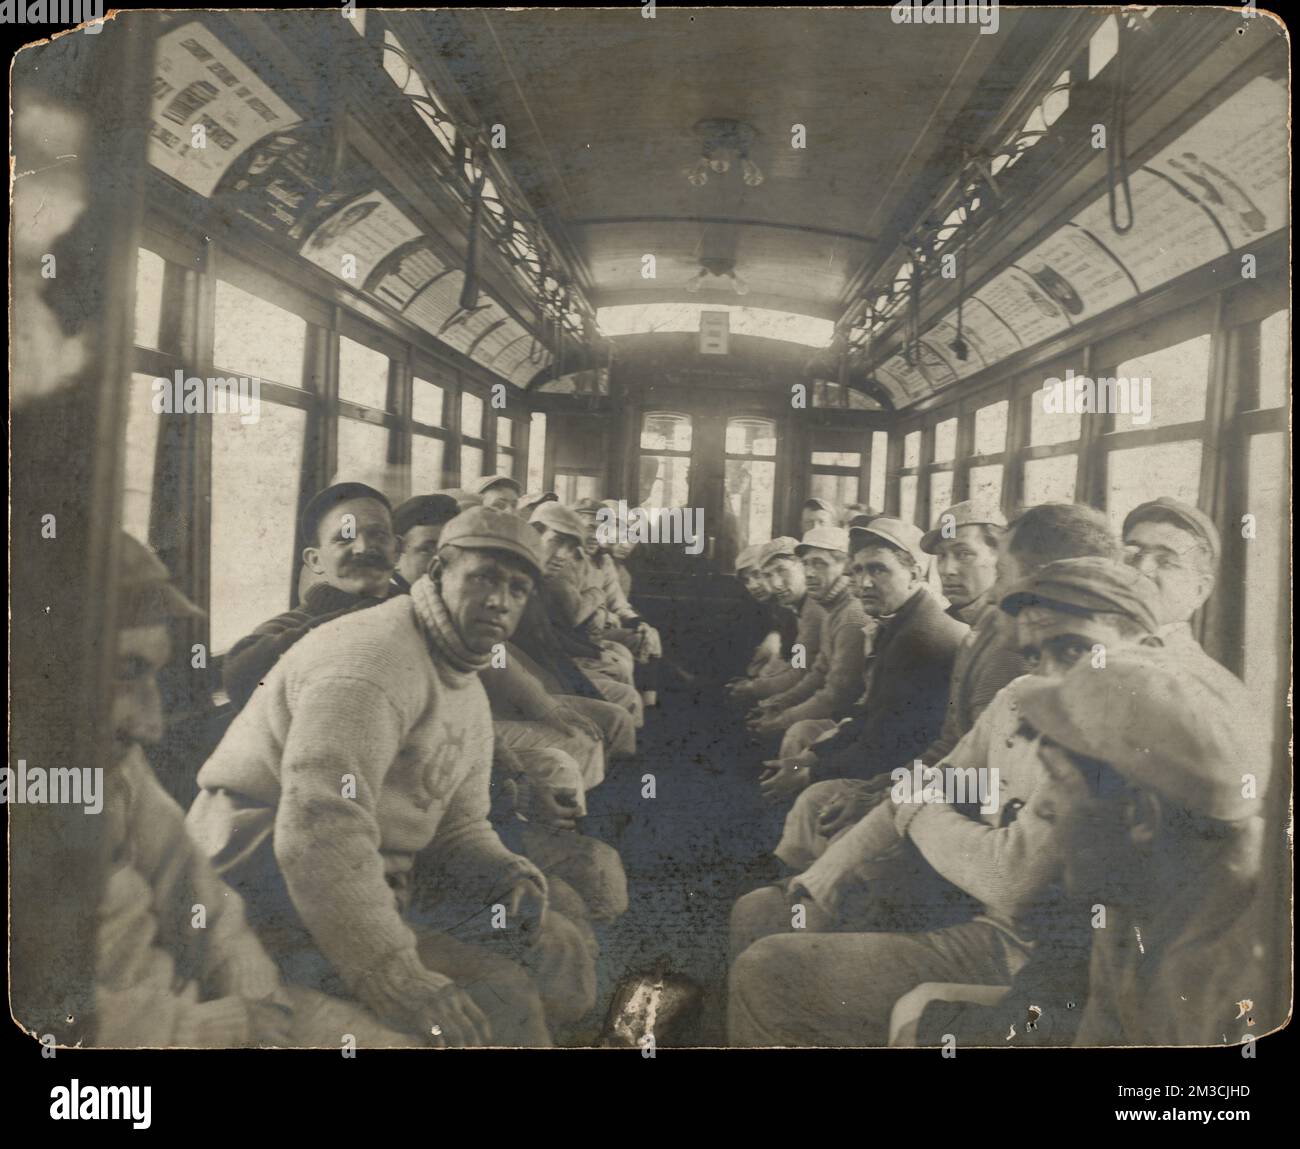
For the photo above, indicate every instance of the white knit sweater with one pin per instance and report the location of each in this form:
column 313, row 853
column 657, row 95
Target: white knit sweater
column 363, row 697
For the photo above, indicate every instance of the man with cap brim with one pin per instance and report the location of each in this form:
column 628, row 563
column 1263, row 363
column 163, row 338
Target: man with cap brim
column 987, row 660
column 616, row 620
column 784, row 575
column 1177, row 547
column 1071, row 612
column 158, row 873
column 965, row 541
column 349, row 550
column 817, row 513
column 498, row 492
column 910, row 666
column 371, row 746
column 834, row 680
column 418, row 524
column 1158, row 788
column 550, row 633
column 777, row 625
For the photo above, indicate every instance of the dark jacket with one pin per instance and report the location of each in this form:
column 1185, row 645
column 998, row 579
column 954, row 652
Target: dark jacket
column 249, row 661
column 553, row 648
column 908, row 672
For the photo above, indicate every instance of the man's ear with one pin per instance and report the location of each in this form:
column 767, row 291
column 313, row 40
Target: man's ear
column 1142, row 817
column 1205, row 588
column 311, row 559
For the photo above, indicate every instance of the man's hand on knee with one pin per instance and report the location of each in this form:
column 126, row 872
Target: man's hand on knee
column 447, row 1016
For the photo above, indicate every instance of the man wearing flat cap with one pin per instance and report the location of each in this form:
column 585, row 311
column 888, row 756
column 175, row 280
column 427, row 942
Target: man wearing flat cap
column 348, row 804
column 350, row 551
column 498, row 492
column 784, row 575
column 418, row 524
column 817, row 512
column 1158, row 786
column 776, row 624
column 1177, row 546
column 834, row 680
column 1074, row 611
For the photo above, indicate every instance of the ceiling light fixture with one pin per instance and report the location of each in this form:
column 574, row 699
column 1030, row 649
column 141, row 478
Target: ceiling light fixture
column 722, row 143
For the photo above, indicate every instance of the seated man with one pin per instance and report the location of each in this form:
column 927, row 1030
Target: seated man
column 1177, row 547
column 1075, row 610
column 158, row 980
column 615, row 619
column 787, row 585
column 418, row 524
column 348, row 804
column 777, row 625
column 553, row 623
column 1144, row 766
column 907, row 674
column 350, row 552
column 987, row 659
column 498, row 492
column 834, row 680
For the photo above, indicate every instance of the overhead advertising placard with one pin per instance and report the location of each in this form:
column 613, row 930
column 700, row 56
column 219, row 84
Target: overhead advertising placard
column 357, row 237
column 199, row 83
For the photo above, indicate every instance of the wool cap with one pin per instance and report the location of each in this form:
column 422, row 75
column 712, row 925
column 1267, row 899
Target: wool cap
column 1091, row 584
column 1192, row 518
column 482, row 529
column 971, row 513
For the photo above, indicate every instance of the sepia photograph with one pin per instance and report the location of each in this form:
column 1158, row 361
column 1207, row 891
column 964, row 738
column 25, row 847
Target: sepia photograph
column 650, row 530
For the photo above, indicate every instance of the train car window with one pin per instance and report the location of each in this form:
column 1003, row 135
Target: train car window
column 1178, row 379
column 1274, row 351
column 838, row 489
column 142, row 427
column 907, row 498
column 363, row 448
column 572, row 485
column 251, row 560
column 1267, row 501
column 991, row 428
column 254, row 336
column 428, row 403
column 664, row 479
column 945, row 441
column 1131, row 471
column 750, row 477
column 1050, row 480
column 507, row 456
column 363, row 374
column 940, row 494
column 986, row 482
column 912, row 449
column 505, row 433
column 148, row 298
column 471, row 415
column 427, row 455
column 836, row 459
column 471, row 463
column 1057, row 99
column 1048, row 425
column 537, row 451
column 879, row 463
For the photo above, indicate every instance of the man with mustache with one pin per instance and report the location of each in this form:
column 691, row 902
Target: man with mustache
column 348, row 804
column 351, row 551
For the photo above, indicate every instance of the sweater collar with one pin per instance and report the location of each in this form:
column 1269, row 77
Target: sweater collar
column 838, row 593
column 441, row 631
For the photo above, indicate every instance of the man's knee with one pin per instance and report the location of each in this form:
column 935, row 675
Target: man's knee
column 758, row 914
column 565, row 970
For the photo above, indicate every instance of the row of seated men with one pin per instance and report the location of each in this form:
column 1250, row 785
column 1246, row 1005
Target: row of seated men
column 385, row 840
column 1021, row 807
